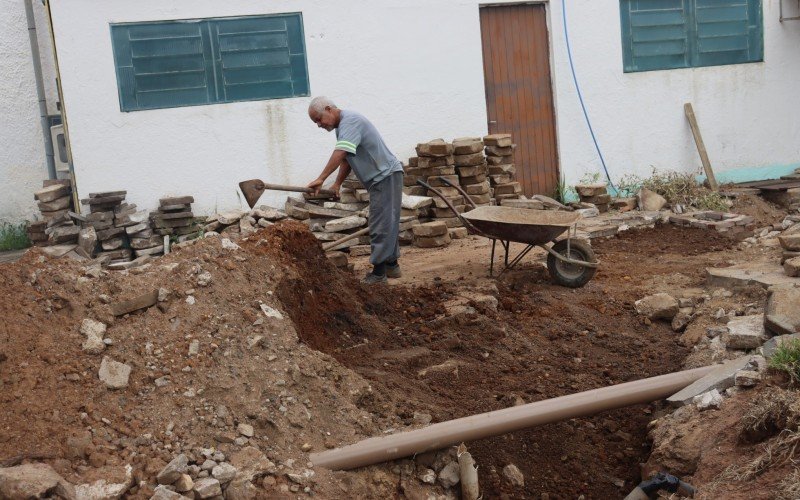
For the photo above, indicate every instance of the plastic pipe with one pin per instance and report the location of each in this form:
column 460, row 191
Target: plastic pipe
column 380, row 449
column 37, row 73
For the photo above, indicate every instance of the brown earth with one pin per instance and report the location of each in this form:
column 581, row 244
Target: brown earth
column 432, row 344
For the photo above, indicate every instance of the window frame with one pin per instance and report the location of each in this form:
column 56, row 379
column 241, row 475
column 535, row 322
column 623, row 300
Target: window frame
column 693, row 57
column 212, row 62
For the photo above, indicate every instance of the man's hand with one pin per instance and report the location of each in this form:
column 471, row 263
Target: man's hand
column 316, row 185
column 335, row 188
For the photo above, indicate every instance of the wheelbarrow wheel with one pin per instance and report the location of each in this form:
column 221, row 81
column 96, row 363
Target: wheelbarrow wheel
column 571, row 275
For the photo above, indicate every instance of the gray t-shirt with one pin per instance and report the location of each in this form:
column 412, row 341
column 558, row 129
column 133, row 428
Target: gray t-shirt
column 367, row 154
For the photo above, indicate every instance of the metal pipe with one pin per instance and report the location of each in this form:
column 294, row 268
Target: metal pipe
column 437, row 436
column 37, row 72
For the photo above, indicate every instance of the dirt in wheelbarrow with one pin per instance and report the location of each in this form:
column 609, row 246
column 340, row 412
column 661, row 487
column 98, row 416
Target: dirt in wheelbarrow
column 449, row 342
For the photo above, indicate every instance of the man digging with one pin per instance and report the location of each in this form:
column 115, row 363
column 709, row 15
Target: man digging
column 360, row 147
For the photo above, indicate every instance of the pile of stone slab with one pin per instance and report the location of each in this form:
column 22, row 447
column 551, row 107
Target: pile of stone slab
column 353, row 191
column 595, row 194
column 55, row 204
column 106, row 224
column 723, row 222
column 174, row 218
column 472, row 169
column 500, row 158
column 412, row 175
column 435, row 161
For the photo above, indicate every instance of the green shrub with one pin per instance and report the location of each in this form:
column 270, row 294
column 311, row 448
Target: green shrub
column 14, row 236
column 787, row 359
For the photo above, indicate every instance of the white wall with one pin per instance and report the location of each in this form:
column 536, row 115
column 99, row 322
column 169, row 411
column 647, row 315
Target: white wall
column 406, row 65
column 748, row 113
column 22, row 157
column 415, row 69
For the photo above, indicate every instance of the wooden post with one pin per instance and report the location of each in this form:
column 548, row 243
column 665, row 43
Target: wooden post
column 701, row 147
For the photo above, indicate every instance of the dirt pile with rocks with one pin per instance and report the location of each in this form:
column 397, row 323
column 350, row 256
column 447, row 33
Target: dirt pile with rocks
column 215, row 365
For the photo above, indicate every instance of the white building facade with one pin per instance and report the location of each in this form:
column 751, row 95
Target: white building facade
column 416, row 69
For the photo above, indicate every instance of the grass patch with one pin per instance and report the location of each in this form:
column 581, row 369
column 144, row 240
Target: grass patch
column 677, row 188
column 14, row 236
column 787, row 359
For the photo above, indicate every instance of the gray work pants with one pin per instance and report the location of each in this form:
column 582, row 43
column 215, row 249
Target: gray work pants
column 385, row 198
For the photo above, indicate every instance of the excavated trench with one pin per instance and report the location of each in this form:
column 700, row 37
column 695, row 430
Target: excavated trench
column 543, row 341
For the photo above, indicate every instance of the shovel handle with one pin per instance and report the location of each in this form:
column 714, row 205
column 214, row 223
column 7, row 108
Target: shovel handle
column 297, row 189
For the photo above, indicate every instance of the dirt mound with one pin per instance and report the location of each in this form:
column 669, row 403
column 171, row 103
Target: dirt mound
column 665, row 238
column 764, row 212
column 216, row 352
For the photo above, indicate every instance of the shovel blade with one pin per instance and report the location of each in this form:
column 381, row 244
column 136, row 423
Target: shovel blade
column 252, row 190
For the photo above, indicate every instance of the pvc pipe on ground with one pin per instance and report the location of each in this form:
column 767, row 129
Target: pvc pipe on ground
column 437, row 436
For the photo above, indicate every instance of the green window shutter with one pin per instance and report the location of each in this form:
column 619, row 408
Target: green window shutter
column 728, row 32
column 261, row 58
column 669, row 34
column 655, row 34
column 185, row 63
column 161, row 65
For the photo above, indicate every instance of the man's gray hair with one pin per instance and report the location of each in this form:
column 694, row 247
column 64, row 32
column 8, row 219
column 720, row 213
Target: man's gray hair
column 319, row 103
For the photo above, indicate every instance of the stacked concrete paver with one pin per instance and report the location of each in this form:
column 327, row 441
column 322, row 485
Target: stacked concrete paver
column 500, row 157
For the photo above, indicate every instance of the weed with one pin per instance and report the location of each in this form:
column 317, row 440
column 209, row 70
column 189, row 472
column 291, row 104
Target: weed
column 787, row 359
column 564, row 193
column 628, row 185
column 14, row 236
column 590, row 178
column 677, row 188
column 789, row 488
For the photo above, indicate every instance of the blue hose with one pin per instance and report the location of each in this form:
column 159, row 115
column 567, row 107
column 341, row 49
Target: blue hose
column 580, row 96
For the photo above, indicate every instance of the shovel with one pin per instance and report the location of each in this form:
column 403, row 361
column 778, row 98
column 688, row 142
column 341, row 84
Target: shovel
column 254, row 188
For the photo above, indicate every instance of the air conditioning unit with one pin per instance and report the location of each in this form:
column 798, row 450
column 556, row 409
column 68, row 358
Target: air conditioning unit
column 59, row 148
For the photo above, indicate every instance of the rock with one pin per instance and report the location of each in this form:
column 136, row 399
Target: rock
column 681, row 321
column 449, row 476
column 163, row 294
column 781, row 314
column 230, row 217
column 224, row 472
column 163, row 493
column 708, row 400
column 227, row 244
column 658, row 306
column 514, row 476
column 174, row 470
column 87, row 240
column 589, row 190
column 550, row 202
column 792, row 267
column 139, row 302
column 771, row 345
column 745, row 332
column 114, row 374
column 204, row 279
column 31, row 481
column 422, row 418
column 207, row 487
column 650, row 201
column 94, row 332
column 429, row 229
column 344, row 224
column 245, row 430
column 114, row 484
column 427, row 476
column 719, row 378
column 208, row 465
column 242, row 489
column 271, row 312
column 747, row 378
column 790, row 241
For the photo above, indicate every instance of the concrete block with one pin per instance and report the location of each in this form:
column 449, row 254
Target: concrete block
column 458, row 233
column 58, row 204
column 469, row 159
column 590, row 190
column 720, row 378
column 112, row 243
column 479, row 188
column 508, row 169
column 501, row 140
column 745, row 332
column 63, row 234
column 112, row 232
column 436, row 147
column 435, row 162
column 344, row 224
column 474, row 179
column 411, row 202
column 510, row 188
column 498, row 179
column 139, row 302
column 599, row 199
column 467, row 145
column 429, row 229
column 175, row 200
column 499, row 151
column 781, row 313
column 438, row 181
column 432, row 241
column 51, row 193
column 526, row 204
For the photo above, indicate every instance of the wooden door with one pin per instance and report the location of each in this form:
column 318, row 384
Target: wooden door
column 519, row 93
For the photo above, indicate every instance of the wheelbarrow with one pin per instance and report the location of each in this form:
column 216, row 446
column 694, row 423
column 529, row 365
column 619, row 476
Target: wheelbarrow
column 570, row 262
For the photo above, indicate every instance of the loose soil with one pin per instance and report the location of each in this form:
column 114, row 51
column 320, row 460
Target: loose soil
column 369, row 360
column 543, row 341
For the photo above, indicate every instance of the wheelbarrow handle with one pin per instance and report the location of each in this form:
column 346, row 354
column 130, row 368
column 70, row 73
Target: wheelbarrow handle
column 463, row 193
column 472, row 229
